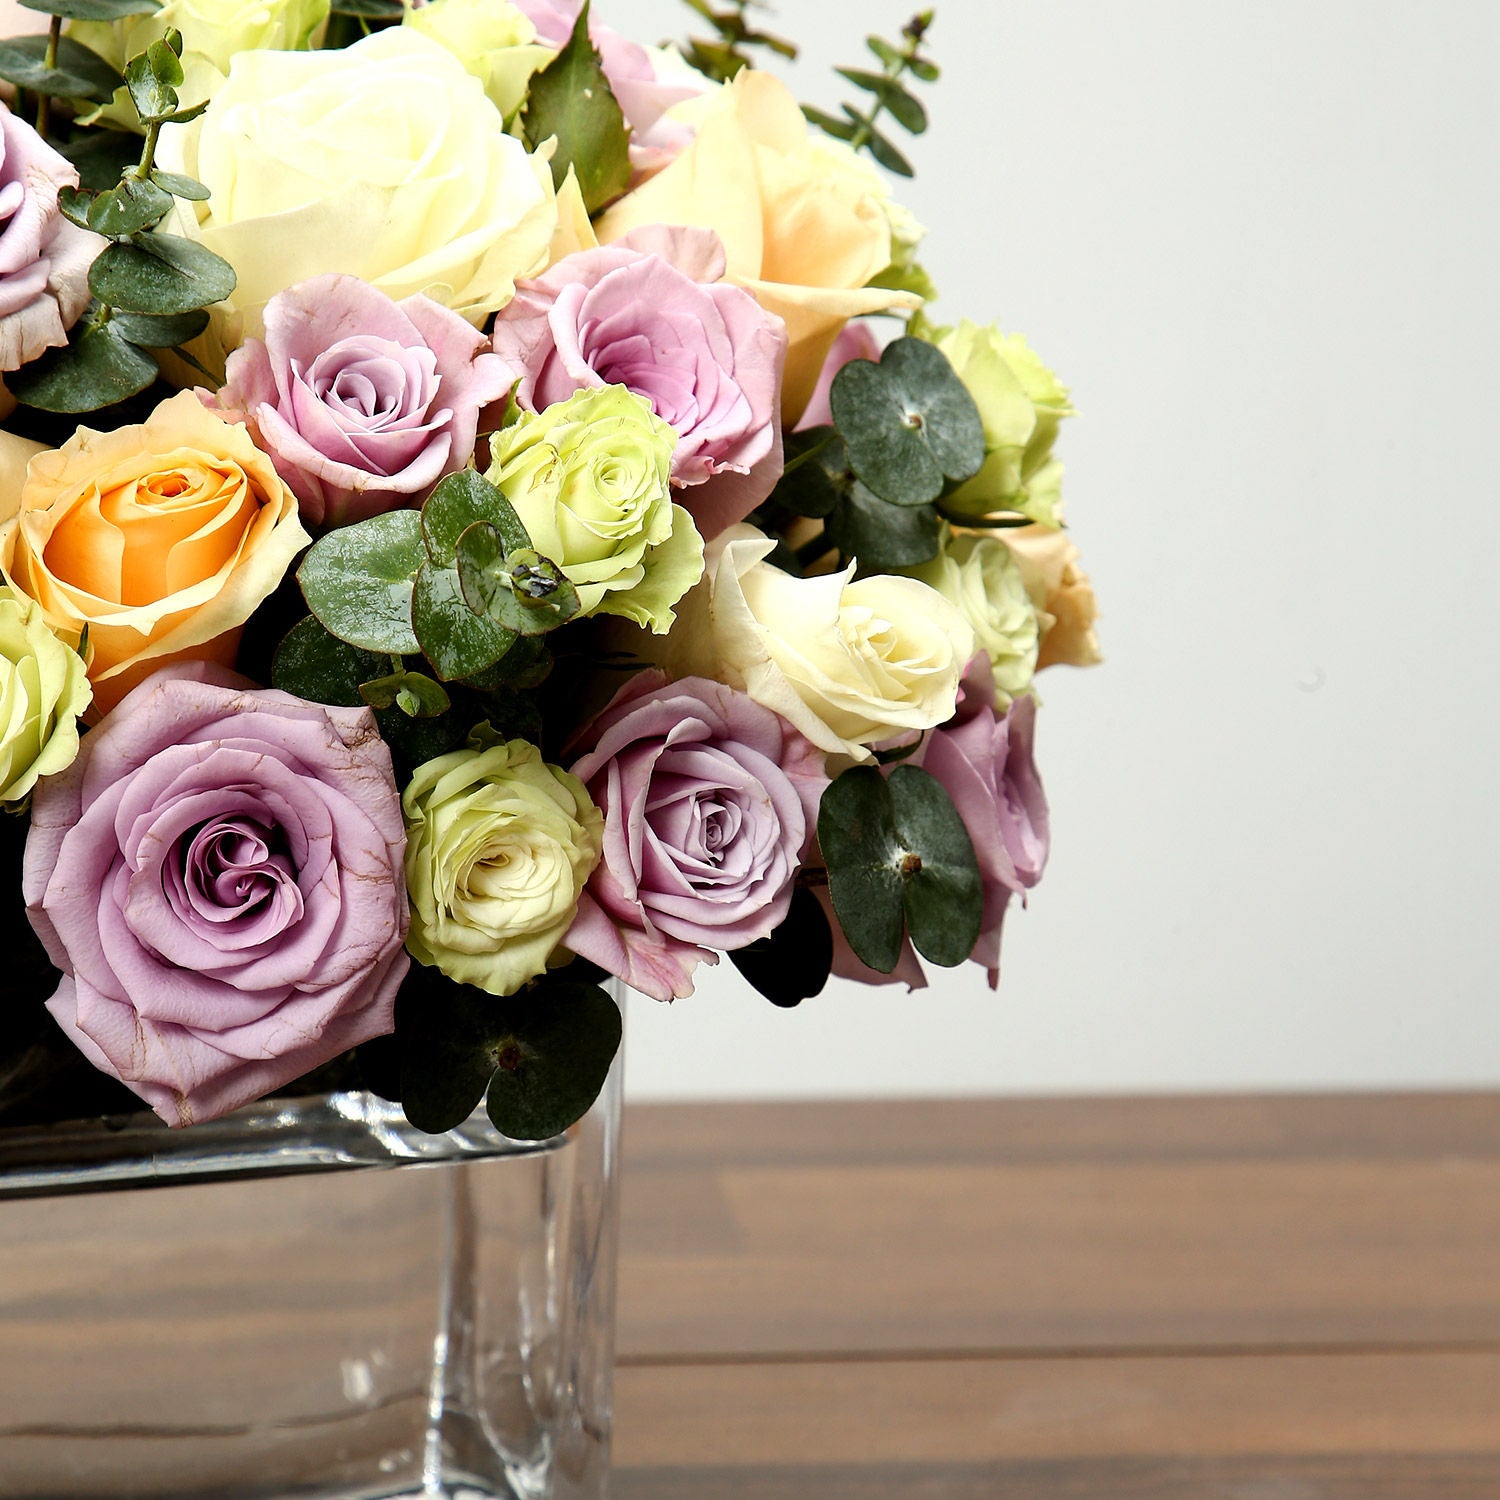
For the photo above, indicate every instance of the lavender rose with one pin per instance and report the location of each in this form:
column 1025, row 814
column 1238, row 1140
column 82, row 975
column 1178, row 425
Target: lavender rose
column 650, row 313
column 709, row 804
column 218, row 876
column 44, row 260
column 362, row 403
column 984, row 761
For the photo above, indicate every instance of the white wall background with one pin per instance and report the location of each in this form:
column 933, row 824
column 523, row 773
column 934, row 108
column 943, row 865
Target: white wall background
column 1261, row 239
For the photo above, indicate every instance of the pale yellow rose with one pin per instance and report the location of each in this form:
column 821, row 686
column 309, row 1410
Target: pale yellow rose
column 848, row 663
column 384, row 160
column 499, row 846
column 493, row 39
column 976, row 573
column 1062, row 593
column 160, row 539
column 804, row 226
column 43, row 689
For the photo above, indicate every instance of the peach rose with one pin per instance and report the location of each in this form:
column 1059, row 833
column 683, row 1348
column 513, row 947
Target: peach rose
column 803, row 221
column 161, row 539
column 1061, row 592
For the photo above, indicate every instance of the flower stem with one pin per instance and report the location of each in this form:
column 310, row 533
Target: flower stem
column 49, row 61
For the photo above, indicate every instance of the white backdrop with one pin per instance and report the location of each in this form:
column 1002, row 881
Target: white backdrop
column 1260, row 238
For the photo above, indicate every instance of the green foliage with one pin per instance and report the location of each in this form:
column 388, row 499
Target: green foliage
column 571, row 99
column 900, row 862
column 77, row 72
column 794, row 962
column 101, row 156
column 320, row 667
column 358, row 580
column 450, row 634
column 886, row 94
column 524, row 591
column 722, row 55
column 909, row 424
column 414, row 693
column 538, row 1058
column 97, row 367
column 93, row 10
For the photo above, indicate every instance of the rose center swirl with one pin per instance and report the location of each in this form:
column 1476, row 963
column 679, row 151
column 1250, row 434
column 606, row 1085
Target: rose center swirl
column 233, row 872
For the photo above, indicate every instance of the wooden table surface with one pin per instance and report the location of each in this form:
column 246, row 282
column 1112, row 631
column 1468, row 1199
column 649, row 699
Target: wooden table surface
column 1267, row 1298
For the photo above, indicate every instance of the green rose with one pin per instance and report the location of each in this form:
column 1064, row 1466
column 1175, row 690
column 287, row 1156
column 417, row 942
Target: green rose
column 493, row 39
column 981, row 579
column 590, row 477
column 43, row 689
column 213, row 31
column 1021, row 404
column 499, row 845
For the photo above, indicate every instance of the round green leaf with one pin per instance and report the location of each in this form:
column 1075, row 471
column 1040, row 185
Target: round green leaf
column 159, row 333
column 101, row 156
column 552, row 1058
column 463, row 500
column 943, row 892
column 414, row 693
column 95, row 369
column 794, row 962
column 315, row 665
column 129, row 208
column 857, row 834
column 449, row 1036
column 449, row 634
column 908, row 423
column 880, row 535
column 180, row 186
column 79, row 74
column 358, row 581
column 519, row 589
column 152, row 78
column 161, row 274
column 93, row 10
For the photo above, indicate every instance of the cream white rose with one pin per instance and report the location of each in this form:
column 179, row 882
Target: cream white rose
column 493, row 39
column 979, row 577
column 848, row 663
column 384, row 160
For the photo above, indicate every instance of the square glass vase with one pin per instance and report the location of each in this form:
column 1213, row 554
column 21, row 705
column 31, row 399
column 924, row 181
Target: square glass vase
column 307, row 1298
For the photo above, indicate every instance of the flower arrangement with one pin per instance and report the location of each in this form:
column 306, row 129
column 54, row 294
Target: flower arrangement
column 485, row 507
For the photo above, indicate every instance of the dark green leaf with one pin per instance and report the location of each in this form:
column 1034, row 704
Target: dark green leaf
column 881, row 535
column 93, row 10
column 888, row 156
column 857, row 833
column 571, row 99
column 101, row 156
column 944, row 894
column 521, row 590
column 315, row 665
column 358, row 580
column 159, row 333
column 908, row 423
column 94, row 369
column 413, row 742
column 874, row 83
column 414, row 693
column 161, row 274
column 153, row 77
column 553, row 1058
column 526, row 665
column 461, row 501
column 449, row 634
column 793, row 964
column 884, row 51
column 810, row 483
column 74, row 205
column 928, row 72
column 449, row 1036
column 370, row 10
column 830, row 125
column 906, row 109
column 129, row 208
column 180, row 186
column 79, row 74
column 182, row 116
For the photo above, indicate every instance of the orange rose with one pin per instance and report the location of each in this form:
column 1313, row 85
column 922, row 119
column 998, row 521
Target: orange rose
column 161, row 539
column 803, row 221
column 1061, row 592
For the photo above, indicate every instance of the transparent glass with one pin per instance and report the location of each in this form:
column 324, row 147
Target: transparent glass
column 307, row 1298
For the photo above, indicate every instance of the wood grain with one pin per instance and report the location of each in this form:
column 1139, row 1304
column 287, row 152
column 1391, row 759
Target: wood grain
column 1268, row 1298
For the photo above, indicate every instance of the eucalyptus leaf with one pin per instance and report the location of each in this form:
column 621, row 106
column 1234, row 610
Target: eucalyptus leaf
column 414, row 693
column 95, row 369
column 79, row 73
column 370, row 10
column 943, row 892
column 152, row 77
column 130, row 207
column 449, row 1037
column 909, row 425
column 315, row 665
column 857, row 834
column 811, row 482
column 74, row 205
column 928, row 72
column 459, row 502
column 101, row 156
column 180, row 186
column 160, row 274
column 794, row 962
column 829, row 124
column 449, row 634
column 520, row 589
column 358, row 581
column 571, row 99
column 93, row 10
column 884, row 51
column 885, row 152
column 881, row 535
column 150, row 332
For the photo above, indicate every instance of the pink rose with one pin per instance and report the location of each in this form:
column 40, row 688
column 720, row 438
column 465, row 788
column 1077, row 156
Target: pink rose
column 44, row 260
column 709, row 804
column 218, row 876
column 651, row 313
column 644, row 90
column 856, row 341
column 362, row 403
column 984, row 761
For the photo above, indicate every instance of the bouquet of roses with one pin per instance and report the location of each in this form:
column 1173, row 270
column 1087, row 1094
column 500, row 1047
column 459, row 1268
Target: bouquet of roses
column 501, row 552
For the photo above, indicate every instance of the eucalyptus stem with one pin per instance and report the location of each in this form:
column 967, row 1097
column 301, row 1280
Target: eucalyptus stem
column 912, row 34
column 148, row 148
column 49, row 62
